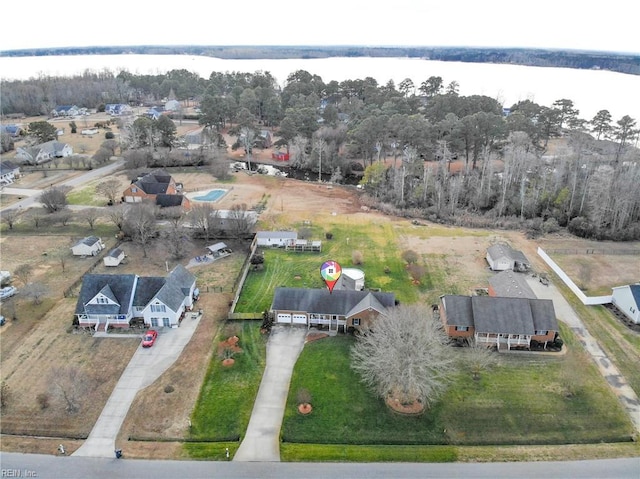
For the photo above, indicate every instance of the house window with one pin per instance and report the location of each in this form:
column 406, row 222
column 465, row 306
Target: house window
column 542, row 333
column 158, row 308
column 356, row 321
column 154, row 322
column 462, row 328
column 134, row 189
column 166, row 322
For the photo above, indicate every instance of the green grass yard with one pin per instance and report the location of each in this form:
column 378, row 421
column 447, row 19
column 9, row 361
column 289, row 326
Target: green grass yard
column 382, row 265
column 522, row 401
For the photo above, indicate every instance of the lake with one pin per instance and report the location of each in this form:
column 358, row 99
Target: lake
column 590, row 90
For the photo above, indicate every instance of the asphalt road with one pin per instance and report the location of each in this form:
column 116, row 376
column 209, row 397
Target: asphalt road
column 56, row 467
column 33, row 194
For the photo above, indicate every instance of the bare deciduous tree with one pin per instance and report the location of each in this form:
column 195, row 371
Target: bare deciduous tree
column 24, row 273
column 240, row 220
column 91, row 215
column 111, row 189
column 141, row 225
column 202, row 217
column 71, row 384
column 54, row 198
column 35, row 291
column 477, row 358
column 11, row 217
column 404, row 356
column 118, row 215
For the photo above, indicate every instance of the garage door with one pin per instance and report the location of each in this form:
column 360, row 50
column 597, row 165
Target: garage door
column 283, row 318
column 299, row 319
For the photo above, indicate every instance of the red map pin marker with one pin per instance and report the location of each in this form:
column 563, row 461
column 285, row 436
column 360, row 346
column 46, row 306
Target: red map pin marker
column 330, row 272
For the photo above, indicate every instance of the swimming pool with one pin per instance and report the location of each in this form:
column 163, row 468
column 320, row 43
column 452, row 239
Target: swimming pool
column 213, row 195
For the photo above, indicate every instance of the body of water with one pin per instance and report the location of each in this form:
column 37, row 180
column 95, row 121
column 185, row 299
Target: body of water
column 590, row 90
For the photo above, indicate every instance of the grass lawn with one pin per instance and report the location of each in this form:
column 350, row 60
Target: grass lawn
column 86, row 196
column 376, row 242
column 226, row 399
column 523, row 400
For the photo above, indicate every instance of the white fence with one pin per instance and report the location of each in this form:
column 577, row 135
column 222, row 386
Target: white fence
column 588, row 300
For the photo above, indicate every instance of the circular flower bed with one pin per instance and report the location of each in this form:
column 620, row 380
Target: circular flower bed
column 305, row 408
column 414, row 408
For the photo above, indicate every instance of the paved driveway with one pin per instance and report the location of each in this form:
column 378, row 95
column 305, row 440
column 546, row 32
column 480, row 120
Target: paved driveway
column 262, row 440
column 146, row 365
column 616, row 381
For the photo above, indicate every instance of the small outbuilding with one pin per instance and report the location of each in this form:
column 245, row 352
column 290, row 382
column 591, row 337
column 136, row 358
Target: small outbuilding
column 352, row 279
column 114, row 257
column 219, row 250
column 89, row 246
column 502, row 257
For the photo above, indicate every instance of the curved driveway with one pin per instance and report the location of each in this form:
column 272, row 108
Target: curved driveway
column 146, row 365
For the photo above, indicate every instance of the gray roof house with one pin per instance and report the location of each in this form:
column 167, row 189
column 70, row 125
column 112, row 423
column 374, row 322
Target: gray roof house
column 341, row 309
column 507, row 323
column 89, row 246
column 502, row 257
column 8, row 172
column 116, row 299
column 627, row 300
column 278, row 239
column 36, row 154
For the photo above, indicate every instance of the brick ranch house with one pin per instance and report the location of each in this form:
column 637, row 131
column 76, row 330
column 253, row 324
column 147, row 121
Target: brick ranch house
column 157, row 187
column 507, row 323
column 118, row 299
column 345, row 310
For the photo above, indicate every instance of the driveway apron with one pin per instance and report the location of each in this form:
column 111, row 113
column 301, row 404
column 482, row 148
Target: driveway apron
column 616, row 381
column 146, row 365
column 262, row 440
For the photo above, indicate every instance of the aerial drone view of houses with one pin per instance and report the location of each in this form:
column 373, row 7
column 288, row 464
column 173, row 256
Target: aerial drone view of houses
column 196, row 257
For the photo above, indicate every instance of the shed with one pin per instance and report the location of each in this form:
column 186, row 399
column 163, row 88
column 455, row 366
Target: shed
column 502, row 257
column 627, row 300
column 351, row 278
column 114, row 257
column 219, row 249
column 89, row 246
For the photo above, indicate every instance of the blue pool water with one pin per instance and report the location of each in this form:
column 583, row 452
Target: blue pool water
column 213, row 195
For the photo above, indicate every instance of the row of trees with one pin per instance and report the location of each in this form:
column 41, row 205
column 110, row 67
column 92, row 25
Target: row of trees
column 408, row 136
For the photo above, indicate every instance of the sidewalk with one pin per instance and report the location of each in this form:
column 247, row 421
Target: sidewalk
column 146, row 365
column 616, row 381
column 262, row 440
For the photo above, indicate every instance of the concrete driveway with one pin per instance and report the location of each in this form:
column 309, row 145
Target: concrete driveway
column 146, row 365
column 616, row 381
column 262, row 440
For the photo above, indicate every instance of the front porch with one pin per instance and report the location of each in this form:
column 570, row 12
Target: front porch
column 503, row 341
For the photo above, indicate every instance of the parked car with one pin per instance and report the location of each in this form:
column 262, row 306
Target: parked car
column 7, row 292
column 2, row 320
column 149, row 338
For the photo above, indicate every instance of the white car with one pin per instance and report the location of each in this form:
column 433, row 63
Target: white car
column 7, row 292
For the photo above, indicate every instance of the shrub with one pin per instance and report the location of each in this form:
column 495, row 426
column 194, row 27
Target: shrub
column 43, row 400
column 410, row 256
column 329, row 235
column 357, row 257
column 109, row 135
column 169, row 388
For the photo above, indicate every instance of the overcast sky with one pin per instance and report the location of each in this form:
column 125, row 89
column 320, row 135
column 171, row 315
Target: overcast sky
column 610, row 25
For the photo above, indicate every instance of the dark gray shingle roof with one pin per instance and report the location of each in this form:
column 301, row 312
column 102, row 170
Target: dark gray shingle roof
column 458, row 310
column 320, row 301
column 121, row 287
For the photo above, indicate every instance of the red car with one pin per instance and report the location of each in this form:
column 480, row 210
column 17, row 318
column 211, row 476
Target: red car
column 149, row 338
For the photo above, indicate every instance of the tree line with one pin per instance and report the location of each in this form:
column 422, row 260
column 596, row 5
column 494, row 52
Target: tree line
column 405, row 140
